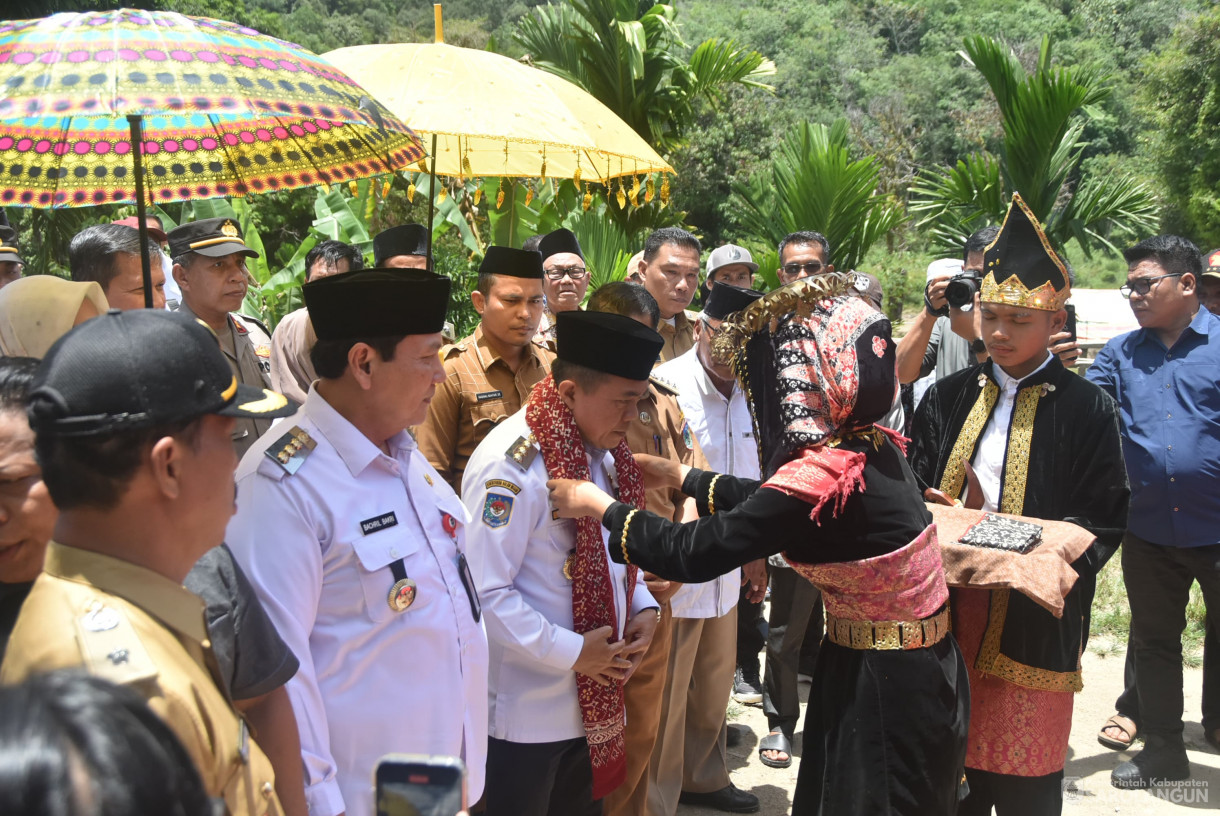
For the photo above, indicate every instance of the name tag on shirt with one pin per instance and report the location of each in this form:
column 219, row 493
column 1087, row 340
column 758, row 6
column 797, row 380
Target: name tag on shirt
column 489, row 395
column 382, row 522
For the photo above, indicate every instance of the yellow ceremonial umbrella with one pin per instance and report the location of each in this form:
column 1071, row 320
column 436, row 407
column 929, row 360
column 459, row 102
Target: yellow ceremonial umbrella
column 489, row 115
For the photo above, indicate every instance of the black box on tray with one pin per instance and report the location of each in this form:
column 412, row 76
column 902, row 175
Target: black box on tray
column 1001, row 533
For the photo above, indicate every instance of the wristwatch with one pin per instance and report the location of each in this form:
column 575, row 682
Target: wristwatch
column 977, row 346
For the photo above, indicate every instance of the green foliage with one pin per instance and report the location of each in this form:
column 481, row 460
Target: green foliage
column 814, row 184
column 1183, row 100
column 629, row 55
column 1039, row 156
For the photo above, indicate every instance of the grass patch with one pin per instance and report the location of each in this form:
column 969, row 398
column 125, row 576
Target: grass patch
column 1111, row 619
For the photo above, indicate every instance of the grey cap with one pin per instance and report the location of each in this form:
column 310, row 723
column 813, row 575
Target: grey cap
column 727, row 255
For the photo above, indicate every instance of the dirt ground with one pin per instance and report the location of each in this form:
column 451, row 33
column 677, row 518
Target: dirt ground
column 1088, row 762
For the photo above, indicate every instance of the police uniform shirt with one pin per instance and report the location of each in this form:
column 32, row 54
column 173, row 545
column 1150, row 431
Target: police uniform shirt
column 479, row 392
column 517, row 552
column 679, row 335
column 248, row 350
column 133, row 627
column 726, row 435
column 320, row 546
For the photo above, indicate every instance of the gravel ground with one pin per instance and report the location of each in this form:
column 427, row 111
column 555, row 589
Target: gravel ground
column 1088, row 761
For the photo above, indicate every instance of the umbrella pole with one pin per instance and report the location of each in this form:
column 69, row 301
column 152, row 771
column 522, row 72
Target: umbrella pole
column 137, row 151
column 431, row 199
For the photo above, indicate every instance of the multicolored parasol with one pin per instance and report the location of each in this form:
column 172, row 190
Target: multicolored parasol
column 224, row 110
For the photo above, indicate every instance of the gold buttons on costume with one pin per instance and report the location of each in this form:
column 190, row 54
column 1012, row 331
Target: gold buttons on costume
column 402, row 595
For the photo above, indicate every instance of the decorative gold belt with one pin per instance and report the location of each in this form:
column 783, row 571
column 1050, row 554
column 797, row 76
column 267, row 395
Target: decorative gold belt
column 917, row 634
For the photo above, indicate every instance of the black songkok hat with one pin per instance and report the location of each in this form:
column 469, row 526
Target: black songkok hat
column 377, row 303
column 561, row 240
column 407, row 239
column 1020, row 268
column 516, row 263
column 726, row 299
column 111, row 374
column 610, row 343
column 213, row 237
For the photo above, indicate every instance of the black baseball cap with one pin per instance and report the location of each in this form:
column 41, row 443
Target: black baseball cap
column 610, row 343
column 8, row 245
column 111, row 374
column 213, row 237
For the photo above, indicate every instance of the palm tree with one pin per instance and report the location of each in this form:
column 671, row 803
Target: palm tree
column 1044, row 114
column 628, row 54
column 814, row 184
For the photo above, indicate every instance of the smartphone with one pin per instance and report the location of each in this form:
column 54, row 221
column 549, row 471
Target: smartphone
column 420, row 785
column 1070, row 326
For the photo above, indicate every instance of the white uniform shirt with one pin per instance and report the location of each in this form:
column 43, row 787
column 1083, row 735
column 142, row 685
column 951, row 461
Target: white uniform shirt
column 726, row 434
column 992, row 447
column 318, row 545
column 517, row 552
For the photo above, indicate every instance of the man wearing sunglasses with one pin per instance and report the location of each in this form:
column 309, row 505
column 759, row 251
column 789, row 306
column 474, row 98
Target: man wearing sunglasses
column 1163, row 376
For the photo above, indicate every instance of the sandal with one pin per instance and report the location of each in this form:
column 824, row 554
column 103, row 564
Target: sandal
column 1124, row 724
column 775, row 741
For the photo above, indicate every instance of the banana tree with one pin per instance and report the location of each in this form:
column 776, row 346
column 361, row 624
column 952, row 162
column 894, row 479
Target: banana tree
column 1043, row 114
column 814, row 184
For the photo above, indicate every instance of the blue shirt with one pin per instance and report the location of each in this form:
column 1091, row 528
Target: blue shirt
column 1169, row 401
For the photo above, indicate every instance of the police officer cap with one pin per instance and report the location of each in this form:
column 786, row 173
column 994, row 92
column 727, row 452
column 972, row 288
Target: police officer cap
column 726, row 299
column 377, row 303
column 8, row 245
column 516, row 263
column 610, row 343
column 213, row 237
column 112, row 374
column 561, row 240
column 407, row 239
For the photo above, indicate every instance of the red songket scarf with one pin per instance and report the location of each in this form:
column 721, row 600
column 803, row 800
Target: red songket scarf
column 602, row 708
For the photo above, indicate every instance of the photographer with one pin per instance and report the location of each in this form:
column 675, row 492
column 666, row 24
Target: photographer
column 941, row 336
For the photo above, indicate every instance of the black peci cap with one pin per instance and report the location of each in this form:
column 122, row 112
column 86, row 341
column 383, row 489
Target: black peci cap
column 726, row 299
column 112, row 374
column 561, row 240
column 377, row 303
column 610, row 343
column 8, row 245
column 213, row 237
column 516, row 263
column 406, row 239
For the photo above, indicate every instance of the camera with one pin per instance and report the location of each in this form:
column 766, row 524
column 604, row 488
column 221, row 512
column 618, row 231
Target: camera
column 961, row 290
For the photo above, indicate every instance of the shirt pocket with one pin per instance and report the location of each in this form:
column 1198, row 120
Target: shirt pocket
column 374, row 558
column 486, row 415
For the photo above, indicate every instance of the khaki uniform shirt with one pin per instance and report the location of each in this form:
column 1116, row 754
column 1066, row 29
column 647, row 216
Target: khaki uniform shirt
column 679, row 338
column 248, row 350
column 133, row 627
column 660, row 429
column 292, row 371
column 478, row 393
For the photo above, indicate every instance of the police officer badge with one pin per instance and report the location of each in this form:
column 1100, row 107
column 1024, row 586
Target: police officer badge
column 497, row 509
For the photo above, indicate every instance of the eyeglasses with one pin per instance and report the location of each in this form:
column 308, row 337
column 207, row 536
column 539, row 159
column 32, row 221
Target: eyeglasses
column 1142, row 286
column 712, row 331
column 812, row 267
column 558, row 273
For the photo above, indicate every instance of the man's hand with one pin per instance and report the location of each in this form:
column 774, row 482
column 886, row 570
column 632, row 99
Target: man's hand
column 603, row 660
column 575, row 498
column 754, row 574
column 935, row 294
column 1065, row 348
column 661, row 472
column 638, row 635
column 660, row 589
